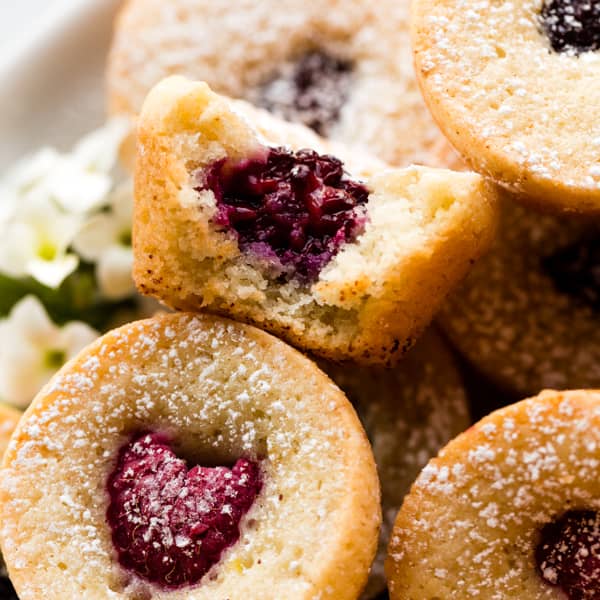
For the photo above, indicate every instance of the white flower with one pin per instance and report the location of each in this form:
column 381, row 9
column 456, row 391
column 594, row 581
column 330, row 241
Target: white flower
column 99, row 150
column 45, row 199
column 37, row 243
column 106, row 240
column 31, row 170
column 8, row 204
column 81, row 181
column 78, row 182
column 32, row 349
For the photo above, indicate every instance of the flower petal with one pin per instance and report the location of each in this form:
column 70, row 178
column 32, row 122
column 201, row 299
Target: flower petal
column 17, row 247
column 51, row 226
column 56, row 228
column 21, row 368
column 23, row 338
column 98, row 234
column 32, row 348
column 76, row 190
column 74, row 337
column 31, row 170
column 99, row 150
column 52, row 273
column 30, row 319
column 8, row 204
column 121, row 201
column 114, row 273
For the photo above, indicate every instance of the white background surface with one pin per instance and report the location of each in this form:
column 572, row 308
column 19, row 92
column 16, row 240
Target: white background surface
column 19, row 17
column 51, row 71
column 16, row 15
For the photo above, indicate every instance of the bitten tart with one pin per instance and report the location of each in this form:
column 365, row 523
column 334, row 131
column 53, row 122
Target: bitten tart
column 513, row 85
column 342, row 68
column 348, row 265
column 510, row 509
column 189, row 457
column 409, row 412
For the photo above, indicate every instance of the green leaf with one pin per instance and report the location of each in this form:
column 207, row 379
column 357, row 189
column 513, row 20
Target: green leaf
column 77, row 299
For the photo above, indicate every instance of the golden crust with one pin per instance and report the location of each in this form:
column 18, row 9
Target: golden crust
column 409, row 412
column 509, row 319
column 9, row 418
column 369, row 304
column 471, row 523
column 509, row 104
column 223, row 389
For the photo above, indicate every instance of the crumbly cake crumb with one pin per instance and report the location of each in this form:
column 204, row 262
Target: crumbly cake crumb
column 373, row 298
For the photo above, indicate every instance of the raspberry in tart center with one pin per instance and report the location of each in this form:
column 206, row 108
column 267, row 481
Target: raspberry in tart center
column 575, row 270
column 568, row 555
column 293, row 210
column 311, row 90
column 572, row 25
column 170, row 525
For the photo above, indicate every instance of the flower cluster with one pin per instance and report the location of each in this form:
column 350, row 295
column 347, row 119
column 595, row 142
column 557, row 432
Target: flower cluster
column 65, row 257
column 32, row 348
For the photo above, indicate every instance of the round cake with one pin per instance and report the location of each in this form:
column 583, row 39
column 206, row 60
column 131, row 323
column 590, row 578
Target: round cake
column 527, row 314
column 409, row 412
column 513, row 87
column 508, row 510
column 189, row 457
column 343, row 68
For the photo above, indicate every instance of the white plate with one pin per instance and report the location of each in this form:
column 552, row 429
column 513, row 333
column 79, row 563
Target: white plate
column 51, row 78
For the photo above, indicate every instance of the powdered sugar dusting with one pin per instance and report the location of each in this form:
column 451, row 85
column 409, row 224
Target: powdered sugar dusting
column 170, row 524
column 508, row 315
column 210, row 384
column 482, row 60
column 310, row 90
column 568, row 554
column 409, row 413
column 236, row 49
column 481, row 523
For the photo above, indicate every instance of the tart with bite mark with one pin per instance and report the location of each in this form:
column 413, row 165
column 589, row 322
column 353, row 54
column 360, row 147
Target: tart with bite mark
column 243, row 215
column 508, row 510
column 189, row 457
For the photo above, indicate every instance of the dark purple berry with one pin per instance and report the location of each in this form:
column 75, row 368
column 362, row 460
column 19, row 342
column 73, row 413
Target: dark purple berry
column 292, row 209
column 572, row 25
column 568, row 554
column 310, row 91
column 575, row 270
column 170, row 525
